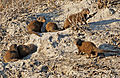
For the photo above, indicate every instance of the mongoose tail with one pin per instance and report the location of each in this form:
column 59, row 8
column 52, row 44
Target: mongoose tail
column 36, row 33
column 58, row 30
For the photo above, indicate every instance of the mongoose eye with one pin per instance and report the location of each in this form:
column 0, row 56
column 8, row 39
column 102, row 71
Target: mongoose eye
column 41, row 19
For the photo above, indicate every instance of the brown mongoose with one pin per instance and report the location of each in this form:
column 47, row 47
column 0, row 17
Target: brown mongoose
column 51, row 27
column 34, row 26
column 75, row 18
column 89, row 48
column 25, row 50
column 12, row 54
column 102, row 3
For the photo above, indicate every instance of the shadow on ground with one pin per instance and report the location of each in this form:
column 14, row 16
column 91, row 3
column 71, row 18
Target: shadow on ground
column 111, row 48
column 102, row 25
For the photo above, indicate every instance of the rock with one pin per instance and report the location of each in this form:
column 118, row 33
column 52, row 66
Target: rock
column 112, row 11
column 44, row 69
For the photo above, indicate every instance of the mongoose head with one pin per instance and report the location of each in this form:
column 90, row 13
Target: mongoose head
column 32, row 47
column 86, row 11
column 41, row 19
column 13, row 47
column 78, row 42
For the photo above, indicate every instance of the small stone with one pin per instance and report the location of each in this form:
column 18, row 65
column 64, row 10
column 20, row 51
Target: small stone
column 44, row 69
column 37, row 63
column 1, row 66
column 112, row 11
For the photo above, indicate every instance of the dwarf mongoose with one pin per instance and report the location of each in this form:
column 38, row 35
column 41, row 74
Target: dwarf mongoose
column 12, row 54
column 75, row 18
column 51, row 27
column 25, row 50
column 34, row 26
column 102, row 3
column 89, row 48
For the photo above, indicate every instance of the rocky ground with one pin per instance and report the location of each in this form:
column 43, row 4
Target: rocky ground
column 56, row 52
